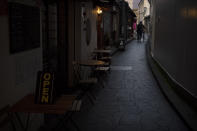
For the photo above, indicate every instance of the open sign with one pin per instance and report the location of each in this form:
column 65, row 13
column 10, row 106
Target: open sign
column 45, row 87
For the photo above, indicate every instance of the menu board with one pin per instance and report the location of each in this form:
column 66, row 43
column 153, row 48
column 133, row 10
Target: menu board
column 24, row 24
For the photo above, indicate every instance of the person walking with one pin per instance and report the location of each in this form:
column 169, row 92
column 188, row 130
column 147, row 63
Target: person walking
column 140, row 31
column 134, row 30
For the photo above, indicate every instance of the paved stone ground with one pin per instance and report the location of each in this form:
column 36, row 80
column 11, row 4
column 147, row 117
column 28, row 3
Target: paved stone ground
column 132, row 100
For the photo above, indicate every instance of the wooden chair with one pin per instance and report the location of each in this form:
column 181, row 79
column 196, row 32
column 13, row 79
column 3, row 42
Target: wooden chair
column 6, row 118
column 101, row 72
column 107, row 64
column 76, row 107
column 85, row 85
column 79, row 80
column 106, row 59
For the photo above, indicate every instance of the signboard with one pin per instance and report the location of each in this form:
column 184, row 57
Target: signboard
column 45, row 88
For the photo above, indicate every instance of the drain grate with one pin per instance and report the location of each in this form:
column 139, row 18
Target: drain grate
column 123, row 68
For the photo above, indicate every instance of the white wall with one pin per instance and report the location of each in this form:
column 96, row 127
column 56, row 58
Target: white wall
column 18, row 71
column 147, row 5
column 86, row 50
column 130, row 3
column 141, row 11
column 175, row 41
column 78, row 48
column 153, row 23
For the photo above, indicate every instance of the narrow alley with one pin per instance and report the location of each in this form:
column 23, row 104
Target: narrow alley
column 98, row 65
column 132, row 100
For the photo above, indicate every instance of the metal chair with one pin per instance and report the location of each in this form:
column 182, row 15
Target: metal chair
column 6, row 118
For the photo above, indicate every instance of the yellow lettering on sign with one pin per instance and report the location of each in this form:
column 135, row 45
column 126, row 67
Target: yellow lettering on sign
column 45, row 83
column 45, row 91
column 45, row 99
column 47, row 76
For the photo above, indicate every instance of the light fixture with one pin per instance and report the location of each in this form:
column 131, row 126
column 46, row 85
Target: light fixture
column 99, row 11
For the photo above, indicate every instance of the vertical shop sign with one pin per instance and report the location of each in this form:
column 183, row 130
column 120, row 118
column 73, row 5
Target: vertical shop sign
column 45, row 88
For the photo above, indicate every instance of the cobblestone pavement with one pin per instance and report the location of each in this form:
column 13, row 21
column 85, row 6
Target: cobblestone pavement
column 132, row 100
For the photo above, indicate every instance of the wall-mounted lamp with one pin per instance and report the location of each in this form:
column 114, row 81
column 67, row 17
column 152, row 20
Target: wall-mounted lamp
column 99, row 11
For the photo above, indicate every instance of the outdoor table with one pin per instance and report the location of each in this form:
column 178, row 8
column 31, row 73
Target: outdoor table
column 61, row 106
column 102, row 51
column 92, row 63
column 103, row 55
